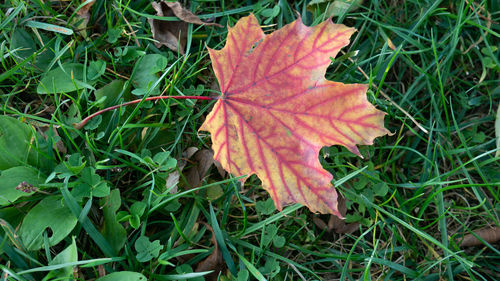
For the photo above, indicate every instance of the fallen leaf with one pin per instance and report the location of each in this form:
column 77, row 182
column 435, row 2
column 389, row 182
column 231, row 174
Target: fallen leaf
column 277, row 111
column 213, row 261
column 220, row 169
column 320, row 223
column 83, row 18
column 335, row 223
column 173, row 178
column 489, row 234
column 173, row 34
column 186, row 15
column 338, row 225
column 203, row 160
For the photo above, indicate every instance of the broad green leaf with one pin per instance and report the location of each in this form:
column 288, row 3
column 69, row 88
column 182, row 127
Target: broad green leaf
column 271, row 12
column 112, row 230
column 147, row 250
column 265, row 207
column 90, row 184
column 129, row 54
column 12, row 215
column 214, row 192
column 14, row 180
column 68, row 255
column 51, row 214
column 165, row 161
column 172, row 206
column 22, row 44
column 15, row 142
column 279, row 241
column 63, row 80
column 136, row 211
column 271, row 268
column 138, row 208
column 94, row 123
column 96, row 69
column 380, row 189
column 71, row 167
column 145, row 73
column 135, row 221
column 270, row 232
column 243, row 275
column 72, row 116
column 277, row 110
column 109, row 94
column 113, row 34
column 123, row 276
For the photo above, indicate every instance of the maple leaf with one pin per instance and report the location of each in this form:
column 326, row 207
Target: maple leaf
column 276, row 109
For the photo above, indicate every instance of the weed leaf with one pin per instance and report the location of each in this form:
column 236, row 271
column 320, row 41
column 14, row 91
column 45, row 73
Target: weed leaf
column 147, row 250
column 50, row 216
column 18, row 182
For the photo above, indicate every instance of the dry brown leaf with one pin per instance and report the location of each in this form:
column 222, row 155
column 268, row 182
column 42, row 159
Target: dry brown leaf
column 489, row 234
column 173, row 34
column 203, row 160
column 101, row 270
column 221, row 170
column 173, row 178
column 334, row 223
column 339, row 225
column 43, row 129
column 186, row 15
column 172, row 181
column 213, row 261
column 84, row 17
column 320, row 223
column 390, row 44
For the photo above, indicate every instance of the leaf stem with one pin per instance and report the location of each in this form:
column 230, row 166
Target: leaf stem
column 82, row 123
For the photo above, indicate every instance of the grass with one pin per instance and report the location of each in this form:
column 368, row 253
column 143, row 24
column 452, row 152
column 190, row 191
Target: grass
column 413, row 198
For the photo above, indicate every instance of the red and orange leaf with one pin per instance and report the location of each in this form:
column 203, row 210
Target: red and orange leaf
column 277, row 110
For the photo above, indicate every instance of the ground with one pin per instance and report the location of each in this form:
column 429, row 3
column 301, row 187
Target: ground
column 135, row 191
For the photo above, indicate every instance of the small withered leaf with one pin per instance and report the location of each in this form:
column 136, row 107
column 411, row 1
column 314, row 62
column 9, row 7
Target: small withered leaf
column 173, row 34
